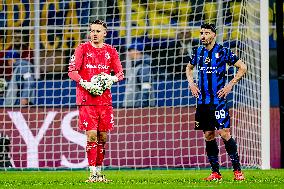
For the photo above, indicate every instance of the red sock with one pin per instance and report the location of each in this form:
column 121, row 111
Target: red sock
column 100, row 154
column 91, row 150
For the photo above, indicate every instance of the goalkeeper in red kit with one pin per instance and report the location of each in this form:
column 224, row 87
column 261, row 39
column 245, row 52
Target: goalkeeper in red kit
column 91, row 59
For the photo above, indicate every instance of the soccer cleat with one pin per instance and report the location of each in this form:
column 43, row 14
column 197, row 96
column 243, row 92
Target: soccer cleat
column 239, row 175
column 97, row 178
column 102, row 178
column 213, row 176
column 92, row 178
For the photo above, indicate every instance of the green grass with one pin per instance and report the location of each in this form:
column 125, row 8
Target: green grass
column 140, row 179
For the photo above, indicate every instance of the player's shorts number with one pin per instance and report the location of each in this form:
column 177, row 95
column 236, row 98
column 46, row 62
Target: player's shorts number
column 220, row 114
column 112, row 120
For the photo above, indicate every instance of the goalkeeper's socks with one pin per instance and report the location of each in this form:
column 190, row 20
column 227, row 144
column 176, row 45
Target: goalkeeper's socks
column 231, row 148
column 99, row 170
column 91, row 149
column 93, row 170
column 100, row 154
column 212, row 154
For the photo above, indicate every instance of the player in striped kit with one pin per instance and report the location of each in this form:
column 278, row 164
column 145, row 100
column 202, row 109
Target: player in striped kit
column 95, row 111
column 212, row 112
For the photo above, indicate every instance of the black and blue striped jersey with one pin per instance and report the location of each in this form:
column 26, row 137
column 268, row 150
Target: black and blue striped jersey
column 211, row 66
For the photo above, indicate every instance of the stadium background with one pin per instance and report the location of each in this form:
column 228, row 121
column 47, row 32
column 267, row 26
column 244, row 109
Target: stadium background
column 53, row 87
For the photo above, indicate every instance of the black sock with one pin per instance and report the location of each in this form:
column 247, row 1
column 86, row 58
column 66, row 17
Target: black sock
column 212, row 154
column 232, row 150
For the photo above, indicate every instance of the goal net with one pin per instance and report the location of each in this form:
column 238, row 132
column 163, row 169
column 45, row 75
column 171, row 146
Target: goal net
column 154, row 110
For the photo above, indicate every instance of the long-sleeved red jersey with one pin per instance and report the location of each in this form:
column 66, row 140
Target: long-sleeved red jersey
column 89, row 61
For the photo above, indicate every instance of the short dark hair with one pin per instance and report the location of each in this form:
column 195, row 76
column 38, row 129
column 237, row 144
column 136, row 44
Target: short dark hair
column 100, row 22
column 212, row 27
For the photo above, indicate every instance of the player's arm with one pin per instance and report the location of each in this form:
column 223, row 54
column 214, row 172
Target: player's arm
column 75, row 63
column 242, row 69
column 116, row 67
column 189, row 74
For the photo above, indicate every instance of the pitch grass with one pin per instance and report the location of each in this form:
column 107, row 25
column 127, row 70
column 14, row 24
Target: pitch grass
column 140, row 179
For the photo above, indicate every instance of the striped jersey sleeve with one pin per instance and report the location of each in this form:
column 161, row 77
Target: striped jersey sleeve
column 231, row 57
column 193, row 58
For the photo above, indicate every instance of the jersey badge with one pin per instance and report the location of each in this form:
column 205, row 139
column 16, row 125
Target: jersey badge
column 107, row 55
column 207, row 60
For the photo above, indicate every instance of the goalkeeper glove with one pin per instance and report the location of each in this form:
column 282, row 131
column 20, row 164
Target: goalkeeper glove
column 110, row 77
column 102, row 80
column 85, row 84
column 92, row 88
column 113, row 78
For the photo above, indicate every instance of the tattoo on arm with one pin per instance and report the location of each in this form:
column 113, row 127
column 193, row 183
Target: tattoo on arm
column 242, row 69
column 189, row 74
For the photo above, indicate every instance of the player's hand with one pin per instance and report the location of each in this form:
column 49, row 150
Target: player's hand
column 92, row 88
column 85, row 84
column 112, row 78
column 225, row 91
column 194, row 90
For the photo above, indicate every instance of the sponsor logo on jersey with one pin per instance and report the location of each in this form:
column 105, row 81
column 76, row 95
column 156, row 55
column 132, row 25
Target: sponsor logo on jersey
column 211, row 69
column 99, row 66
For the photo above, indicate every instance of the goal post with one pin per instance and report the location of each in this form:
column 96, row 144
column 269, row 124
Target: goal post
column 265, row 100
column 152, row 130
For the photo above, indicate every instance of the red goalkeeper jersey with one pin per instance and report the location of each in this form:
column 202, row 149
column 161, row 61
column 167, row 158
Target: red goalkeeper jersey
column 89, row 61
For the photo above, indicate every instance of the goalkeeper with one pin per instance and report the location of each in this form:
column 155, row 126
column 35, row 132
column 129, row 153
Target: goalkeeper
column 212, row 112
column 90, row 67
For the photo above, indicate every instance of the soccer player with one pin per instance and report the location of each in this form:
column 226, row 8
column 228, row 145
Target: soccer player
column 95, row 112
column 212, row 112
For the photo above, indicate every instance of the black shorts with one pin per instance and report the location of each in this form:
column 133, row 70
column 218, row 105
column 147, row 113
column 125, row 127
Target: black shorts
column 209, row 117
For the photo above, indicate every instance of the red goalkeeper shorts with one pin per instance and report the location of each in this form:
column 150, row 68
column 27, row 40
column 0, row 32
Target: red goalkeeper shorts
column 98, row 118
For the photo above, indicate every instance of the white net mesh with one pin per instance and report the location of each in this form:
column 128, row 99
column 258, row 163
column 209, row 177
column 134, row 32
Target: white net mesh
column 152, row 129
